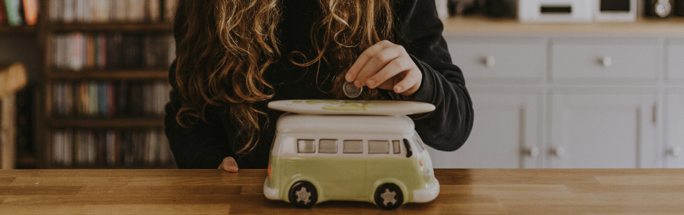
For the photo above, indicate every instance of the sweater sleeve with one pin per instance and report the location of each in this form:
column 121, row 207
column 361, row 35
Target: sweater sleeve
column 443, row 85
column 202, row 144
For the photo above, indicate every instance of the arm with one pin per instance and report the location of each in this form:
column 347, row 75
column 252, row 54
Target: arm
column 443, row 85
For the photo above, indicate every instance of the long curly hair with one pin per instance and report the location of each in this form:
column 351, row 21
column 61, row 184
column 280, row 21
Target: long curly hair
column 229, row 44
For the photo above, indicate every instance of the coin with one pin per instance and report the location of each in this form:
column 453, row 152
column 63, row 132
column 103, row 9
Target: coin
column 351, row 91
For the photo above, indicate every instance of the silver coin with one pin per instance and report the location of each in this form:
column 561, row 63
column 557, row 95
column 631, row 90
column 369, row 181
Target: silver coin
column 351, row 91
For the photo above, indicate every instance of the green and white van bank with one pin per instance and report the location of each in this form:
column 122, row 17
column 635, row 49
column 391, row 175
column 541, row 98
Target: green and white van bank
column 349, row 150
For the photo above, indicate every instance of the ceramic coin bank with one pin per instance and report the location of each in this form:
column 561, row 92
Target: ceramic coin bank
column 349, row 150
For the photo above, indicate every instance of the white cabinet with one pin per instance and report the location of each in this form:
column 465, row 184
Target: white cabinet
column 596, row 101
column 604, row 60
column 505, row 133
column 673, row 149
column 499, row 58
column 675, row 60
column 600, row 130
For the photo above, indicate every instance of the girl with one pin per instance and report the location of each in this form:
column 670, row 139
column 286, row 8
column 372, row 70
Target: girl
column 233, row 56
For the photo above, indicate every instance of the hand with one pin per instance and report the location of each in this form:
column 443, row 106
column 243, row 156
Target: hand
column 229, row 165
column 387, row 66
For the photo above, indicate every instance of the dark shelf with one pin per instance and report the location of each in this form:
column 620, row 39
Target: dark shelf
column 117, row 27
column 125, row 123
column 20, row 30
column 137, row 74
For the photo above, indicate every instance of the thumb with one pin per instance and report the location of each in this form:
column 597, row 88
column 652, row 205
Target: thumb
column 229, row 165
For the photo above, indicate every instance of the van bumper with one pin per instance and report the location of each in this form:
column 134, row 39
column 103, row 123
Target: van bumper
column 270, row 193
column 428, row 194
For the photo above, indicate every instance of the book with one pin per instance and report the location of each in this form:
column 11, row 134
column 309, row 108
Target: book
column 93, row 99
column 153, row 10
column 170, row 10
column 120, row 11
column 56, row 9
column 101, row 51
column 30, row 12
column 136, row 11
column 68, row 14
column 102, row 99
column 76, row 52
column 14, row 12
column 112, row 148
column 3, row 14
column 101, row 10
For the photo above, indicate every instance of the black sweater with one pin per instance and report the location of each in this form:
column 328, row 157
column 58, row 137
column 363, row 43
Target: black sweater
column 206, row 144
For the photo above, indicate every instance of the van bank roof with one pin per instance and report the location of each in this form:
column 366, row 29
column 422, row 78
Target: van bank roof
column 351, row 107
column 340, row 124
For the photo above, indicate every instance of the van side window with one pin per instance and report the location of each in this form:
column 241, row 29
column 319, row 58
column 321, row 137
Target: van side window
column 306, row 146
column 328, row 146
column 378, row 147
column 352, row 147
column 396, row 147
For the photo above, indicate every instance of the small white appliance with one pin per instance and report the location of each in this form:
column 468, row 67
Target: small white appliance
column 615, row 10
column 553, row 11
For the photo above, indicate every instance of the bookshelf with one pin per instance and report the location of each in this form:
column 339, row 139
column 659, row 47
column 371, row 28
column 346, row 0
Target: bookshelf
column 104, row 83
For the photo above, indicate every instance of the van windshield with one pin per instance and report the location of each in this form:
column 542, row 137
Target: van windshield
column 418, row 142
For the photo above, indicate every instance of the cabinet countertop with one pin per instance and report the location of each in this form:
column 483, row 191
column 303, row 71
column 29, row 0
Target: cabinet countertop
column 671, row 27
column 463, row 191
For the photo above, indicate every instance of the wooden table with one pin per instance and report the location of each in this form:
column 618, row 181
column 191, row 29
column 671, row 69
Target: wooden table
column 464, row 191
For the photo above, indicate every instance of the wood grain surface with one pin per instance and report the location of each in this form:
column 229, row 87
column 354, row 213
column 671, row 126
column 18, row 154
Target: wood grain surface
column 641, row 27
column 463, row 191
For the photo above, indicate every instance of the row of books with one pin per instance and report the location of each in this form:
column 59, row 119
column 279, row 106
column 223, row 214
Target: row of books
column 78, row 51
column 106, row 11
column 18, row 12
column 109, row 98
column 113, row 148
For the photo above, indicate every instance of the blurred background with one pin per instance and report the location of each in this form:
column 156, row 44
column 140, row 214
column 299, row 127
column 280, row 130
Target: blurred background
column 554, row 83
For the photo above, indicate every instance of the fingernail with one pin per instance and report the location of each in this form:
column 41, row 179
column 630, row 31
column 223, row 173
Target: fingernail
column 397, row 89
column 371, row 83
column 349, row 77
column 232, row 169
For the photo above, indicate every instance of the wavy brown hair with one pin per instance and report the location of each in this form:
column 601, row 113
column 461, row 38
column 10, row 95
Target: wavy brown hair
column 229, row 44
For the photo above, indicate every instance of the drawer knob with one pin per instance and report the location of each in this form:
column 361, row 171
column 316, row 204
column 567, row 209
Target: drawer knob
column 490, row 61
column 558, row 151
column 606, row 62
column 532, row 151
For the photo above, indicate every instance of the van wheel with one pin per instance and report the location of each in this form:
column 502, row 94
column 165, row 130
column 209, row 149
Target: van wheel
column 389, row 196
column 303, row 194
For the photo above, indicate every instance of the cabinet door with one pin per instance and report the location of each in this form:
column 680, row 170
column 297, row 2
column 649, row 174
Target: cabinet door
column 674, row 130
column 594, row 130
column 505, row 125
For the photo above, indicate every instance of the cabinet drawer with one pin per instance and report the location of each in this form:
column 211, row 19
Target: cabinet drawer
column 606, row 59
column 499, row 57
column 675, row 59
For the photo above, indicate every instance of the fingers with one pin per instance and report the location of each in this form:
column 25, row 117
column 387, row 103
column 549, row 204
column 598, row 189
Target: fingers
column 229, row 165
column 392, row 73
column 387, row 66
column 379, row 61
column 410, row 84
column 364, row 59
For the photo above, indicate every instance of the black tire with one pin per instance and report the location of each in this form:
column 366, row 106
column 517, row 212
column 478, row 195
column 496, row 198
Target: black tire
column 303, row 194
column 389, row 196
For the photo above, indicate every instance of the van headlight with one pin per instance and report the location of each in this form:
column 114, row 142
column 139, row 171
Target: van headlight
column 429, row 174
